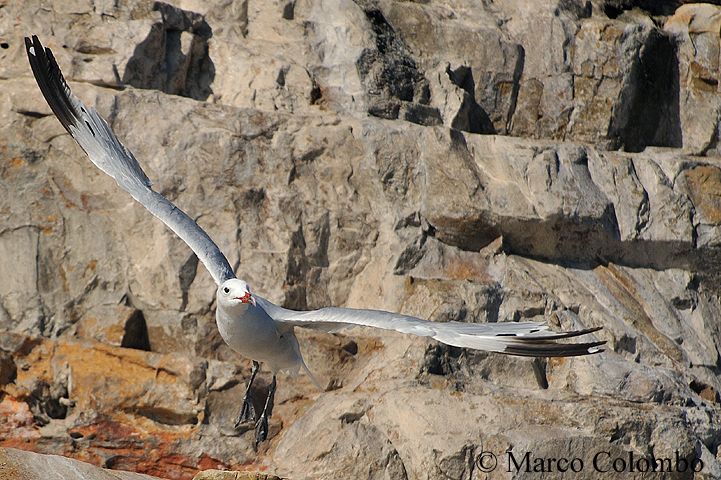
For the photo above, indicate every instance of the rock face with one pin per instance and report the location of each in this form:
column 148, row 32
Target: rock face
column 469, row 161
column 20, row 465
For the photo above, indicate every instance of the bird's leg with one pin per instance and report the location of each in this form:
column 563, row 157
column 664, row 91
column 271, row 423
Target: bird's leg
column 247, row 411
column 261, row 427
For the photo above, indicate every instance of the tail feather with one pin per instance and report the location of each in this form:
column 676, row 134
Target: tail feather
column 310, row 375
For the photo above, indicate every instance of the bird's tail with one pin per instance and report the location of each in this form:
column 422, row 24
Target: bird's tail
column 310, row 375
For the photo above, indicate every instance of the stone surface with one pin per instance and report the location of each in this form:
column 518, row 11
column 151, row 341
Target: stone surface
column 472, row 161
column 226, row 475
column 695, row 29
column 21, row 465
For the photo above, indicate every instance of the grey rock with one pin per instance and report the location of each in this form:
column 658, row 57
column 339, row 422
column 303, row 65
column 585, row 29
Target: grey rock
column 489, row 162
column 694, row 29
column 19, row 465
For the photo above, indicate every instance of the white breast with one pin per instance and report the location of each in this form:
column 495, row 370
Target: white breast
column 253, row 334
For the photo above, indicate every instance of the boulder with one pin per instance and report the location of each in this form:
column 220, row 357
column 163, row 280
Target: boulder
column 19, row 465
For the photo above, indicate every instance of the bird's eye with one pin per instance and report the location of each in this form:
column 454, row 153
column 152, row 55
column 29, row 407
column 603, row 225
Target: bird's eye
column 226, row 290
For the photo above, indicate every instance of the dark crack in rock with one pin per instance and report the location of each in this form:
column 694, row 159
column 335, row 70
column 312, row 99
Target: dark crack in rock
column 174, row 57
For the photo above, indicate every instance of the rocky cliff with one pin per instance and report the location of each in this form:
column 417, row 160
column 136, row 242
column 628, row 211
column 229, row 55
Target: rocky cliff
column 455, row 160
column 23, row 465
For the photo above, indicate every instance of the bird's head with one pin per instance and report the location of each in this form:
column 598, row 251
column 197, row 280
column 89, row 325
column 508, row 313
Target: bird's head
column 233, row 293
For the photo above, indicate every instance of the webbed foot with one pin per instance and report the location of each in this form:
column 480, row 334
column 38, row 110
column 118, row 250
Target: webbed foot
column 261, row 426
column 247, row 411
column 261, row 430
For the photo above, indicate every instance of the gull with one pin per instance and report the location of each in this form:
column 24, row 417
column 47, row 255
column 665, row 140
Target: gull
column 251, row 325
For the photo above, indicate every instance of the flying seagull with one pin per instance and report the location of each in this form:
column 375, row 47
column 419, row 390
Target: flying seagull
column 251, row 325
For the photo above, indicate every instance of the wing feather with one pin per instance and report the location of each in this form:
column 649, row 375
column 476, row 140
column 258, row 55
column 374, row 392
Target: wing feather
column 532, row 339
column 104, row 149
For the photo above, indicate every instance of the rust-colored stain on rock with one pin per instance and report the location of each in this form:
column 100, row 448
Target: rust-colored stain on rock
column 704, row 185
column 133, row 409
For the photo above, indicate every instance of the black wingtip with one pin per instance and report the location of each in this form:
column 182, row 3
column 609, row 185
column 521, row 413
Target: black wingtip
column 560, row 335
column 553, row 349
column 51, row 82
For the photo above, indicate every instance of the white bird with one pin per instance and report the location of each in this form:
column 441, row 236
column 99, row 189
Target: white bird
column 251, row 325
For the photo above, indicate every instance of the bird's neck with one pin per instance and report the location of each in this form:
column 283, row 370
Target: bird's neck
column 234, row 309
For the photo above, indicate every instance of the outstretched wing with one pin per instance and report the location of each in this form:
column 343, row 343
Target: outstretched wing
column 107, row 153
column 528, row 339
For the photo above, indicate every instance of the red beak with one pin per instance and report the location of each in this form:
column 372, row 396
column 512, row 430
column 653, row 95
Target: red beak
column 247, row 298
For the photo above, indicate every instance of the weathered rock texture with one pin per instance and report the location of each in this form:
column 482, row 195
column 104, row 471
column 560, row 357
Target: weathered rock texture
column 228, row 475
column 460, row 160
column 20, row 465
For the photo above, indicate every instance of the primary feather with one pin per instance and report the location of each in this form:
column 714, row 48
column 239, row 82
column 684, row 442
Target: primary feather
column 516, row 338
column 104, row 149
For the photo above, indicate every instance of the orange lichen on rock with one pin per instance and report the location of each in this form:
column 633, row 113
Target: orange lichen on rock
column 126, row 409
column 112, row 377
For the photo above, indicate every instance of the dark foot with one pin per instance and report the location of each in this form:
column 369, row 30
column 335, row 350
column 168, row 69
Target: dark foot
column 261, row 426
column 261, row 430
column 247, row 412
